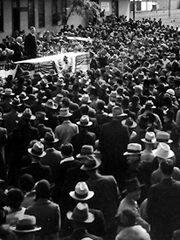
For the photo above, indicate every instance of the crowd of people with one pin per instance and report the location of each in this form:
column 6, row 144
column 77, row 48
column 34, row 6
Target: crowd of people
column 95, row 154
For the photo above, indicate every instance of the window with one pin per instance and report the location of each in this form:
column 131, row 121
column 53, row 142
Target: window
column 1, row 17
column 54, row 12
column 31, row 19
column 41, row 13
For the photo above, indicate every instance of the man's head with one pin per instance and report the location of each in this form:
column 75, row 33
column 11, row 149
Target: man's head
column 133, row 152
column 133, row 233
column 67, row 149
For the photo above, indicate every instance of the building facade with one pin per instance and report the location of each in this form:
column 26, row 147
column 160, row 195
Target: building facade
column 21, row 14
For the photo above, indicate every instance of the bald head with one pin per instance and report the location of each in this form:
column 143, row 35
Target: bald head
column 133, row 233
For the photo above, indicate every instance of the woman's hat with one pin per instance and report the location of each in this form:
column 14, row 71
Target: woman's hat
column 133, row 149
column 129, row 122
column 149, row 138
column 85, row 150
column 64, row 112
column 84, row 121
column 132, row 185
column 90, row 162
column 37, row 150
column 49, row 138
column 26, row 224
column 81, row 192
column 163, row 151
column 81, row 214
column 162, row 136
column 50, row 104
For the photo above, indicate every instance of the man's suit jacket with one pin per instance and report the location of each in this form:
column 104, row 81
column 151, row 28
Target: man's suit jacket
column 80, row 234
column 30, row 46
column 163, row 208
column 38, row 171
column 48, row 217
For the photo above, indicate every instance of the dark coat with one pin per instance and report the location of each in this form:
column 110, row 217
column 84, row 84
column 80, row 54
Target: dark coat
column 38, row 171
column 113, row 142
column 30, row 46
column 80, row 234
column 82, row 138
column 163, row 208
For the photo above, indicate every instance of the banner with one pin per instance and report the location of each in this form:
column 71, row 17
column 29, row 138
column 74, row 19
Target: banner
column 7, row 69
column 69, row 62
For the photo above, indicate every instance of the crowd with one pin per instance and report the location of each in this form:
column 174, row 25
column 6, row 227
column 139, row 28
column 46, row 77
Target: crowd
column 93, row 155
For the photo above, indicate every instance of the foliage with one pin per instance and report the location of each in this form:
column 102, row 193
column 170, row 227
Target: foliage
column 87, row 8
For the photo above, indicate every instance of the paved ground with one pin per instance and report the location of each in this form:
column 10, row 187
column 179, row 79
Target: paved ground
column 164, row 15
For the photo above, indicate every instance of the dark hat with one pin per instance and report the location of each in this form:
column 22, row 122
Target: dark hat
column 129, row 122
column 23, row 97
column 132, row 185
column 26, row 224
column 81, row 214
column 40, row 115
column 167, row 166
column 41, row 95
column 85, row 150
column 90, row 162
column 16, row 102
column 50, row 104
column 149, row 104
column 49, row 138
column 27, row 114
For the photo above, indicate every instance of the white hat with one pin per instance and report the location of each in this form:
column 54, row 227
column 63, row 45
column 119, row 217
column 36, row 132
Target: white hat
column 133, row 148
column 149, row 138
column 81, row 192
column 163, row 151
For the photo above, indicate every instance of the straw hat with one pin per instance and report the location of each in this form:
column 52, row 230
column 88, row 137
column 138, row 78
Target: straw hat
column 117, row 112
column 149, row 138
column 133, row 149
column 162, row 136
column 64, row 112
column 85, row 98
column 163, row 151
column 26, row 224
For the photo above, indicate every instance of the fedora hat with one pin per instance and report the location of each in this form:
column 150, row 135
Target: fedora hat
column 64, row 112
column 81, row 214
column 117, row 112
column 90, row 162
column 16, row 102
column 162, row 136
column 23, row 97
column 149, row 104
column 58, row 98
column 133, row 148
column 132, row 185
column 27, row 114
column 81, row 192
column 37, row 150
column 143, row 122
column 84, row 121
column 41, row 95
column 129, row 122
column 85, row 150
column 50, row 104
column 26, row 224
column 149, row 138
column 8, row 92
column 42, row 84
column 40, row 115
column 60, row 82
column 85, row 98
column 49, row 138
column 163, row 151
column 113, row 96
